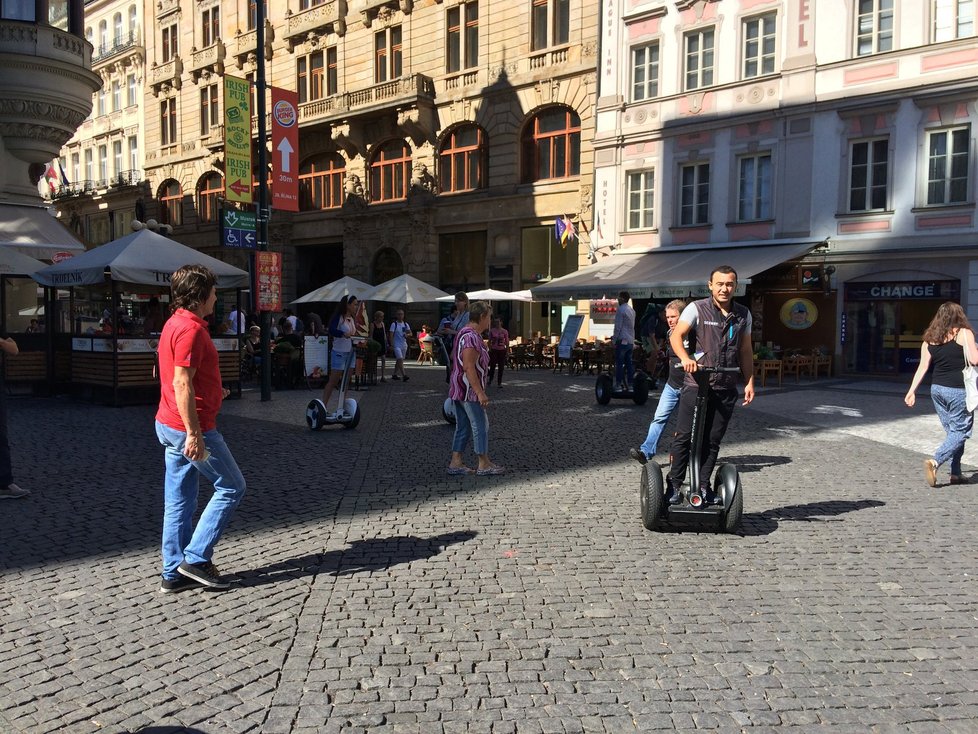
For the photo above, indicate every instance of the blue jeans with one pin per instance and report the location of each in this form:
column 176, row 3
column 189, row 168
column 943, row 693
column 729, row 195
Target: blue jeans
column 668, row 400
column 956, row 421
column 623, row 364
column 181, row 540
column 472, row 422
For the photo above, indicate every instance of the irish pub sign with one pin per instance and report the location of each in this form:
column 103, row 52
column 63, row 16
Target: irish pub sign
column 237, row 140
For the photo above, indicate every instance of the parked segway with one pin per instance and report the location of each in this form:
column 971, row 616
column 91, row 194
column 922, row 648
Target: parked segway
column 693, row 509
column 348, row 411
column 604, row 389
column 448, row 407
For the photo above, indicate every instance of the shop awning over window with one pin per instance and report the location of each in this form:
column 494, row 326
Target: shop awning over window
column 32, row 231
column 667, row 271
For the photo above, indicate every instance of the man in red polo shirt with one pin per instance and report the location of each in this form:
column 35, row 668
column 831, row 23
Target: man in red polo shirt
column 191, row 394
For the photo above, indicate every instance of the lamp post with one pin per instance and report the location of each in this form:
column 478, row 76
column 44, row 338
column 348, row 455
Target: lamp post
column 265, row 317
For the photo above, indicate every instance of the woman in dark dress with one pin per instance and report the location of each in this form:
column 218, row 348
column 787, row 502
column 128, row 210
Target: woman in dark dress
column 378, row 332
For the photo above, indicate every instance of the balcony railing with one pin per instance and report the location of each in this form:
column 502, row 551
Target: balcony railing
column 323, row 18
column 167, row 73
column 128, row 178
column 406, row 90
column 208, row 59
column 118, row 45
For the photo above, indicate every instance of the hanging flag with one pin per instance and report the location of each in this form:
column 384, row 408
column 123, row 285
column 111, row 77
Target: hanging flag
column 64, row 176
column 568, row 232
column 559, row 229
column 51, row 177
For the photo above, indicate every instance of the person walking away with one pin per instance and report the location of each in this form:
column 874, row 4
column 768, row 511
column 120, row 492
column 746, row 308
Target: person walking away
column 498, row 350
column 669, row 398
column 718, row 330
column 191, row 394
column 342, row 329
column 948, row 344
column 623, row 338
column 400, row 331
column 467, row 390
column 447, row 330
column 8, row 490
column 378, row 332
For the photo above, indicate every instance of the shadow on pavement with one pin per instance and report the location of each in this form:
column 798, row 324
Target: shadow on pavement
column 372, row 554
column 747, row 463
column 765, row 523
column 168, row 730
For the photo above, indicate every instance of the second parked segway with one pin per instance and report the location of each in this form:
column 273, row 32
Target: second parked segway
column 693, row 509
column 604, row 389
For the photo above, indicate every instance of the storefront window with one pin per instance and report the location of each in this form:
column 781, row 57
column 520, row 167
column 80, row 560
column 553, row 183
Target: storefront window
column 24, row 306
column 461, row 261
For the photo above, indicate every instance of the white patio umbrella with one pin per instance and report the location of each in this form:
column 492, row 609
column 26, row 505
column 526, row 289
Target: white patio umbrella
column 491, row 294
column 332, row 292
column 404, row 289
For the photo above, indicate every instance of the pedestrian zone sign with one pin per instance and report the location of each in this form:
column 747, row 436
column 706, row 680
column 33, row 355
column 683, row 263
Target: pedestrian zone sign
column 238, row 229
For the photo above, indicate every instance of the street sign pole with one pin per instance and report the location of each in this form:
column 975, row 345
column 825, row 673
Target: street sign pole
column 265, row 316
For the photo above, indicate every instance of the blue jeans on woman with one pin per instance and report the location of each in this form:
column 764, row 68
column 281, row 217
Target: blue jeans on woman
column 668, row 401
column 471, row 422
column 956, row 421
column 181, row 540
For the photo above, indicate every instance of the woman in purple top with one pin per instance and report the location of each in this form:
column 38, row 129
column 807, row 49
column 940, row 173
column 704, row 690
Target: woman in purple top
column 467, row 389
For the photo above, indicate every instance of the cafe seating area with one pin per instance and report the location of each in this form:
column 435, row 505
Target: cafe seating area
column 800, row 363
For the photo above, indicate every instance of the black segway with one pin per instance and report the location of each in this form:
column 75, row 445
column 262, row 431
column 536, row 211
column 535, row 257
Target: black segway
column 604, row 389
column 347, row 411
column 693, row 509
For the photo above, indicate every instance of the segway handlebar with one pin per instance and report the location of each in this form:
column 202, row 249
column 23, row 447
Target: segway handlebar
column 711, row 370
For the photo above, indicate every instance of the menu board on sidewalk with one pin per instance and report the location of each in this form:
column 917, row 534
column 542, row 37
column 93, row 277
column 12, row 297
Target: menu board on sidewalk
column 268, row 276
column 572, row 327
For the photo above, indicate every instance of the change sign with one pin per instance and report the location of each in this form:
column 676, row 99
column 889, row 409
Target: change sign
column 237, row 139
column 238, row 229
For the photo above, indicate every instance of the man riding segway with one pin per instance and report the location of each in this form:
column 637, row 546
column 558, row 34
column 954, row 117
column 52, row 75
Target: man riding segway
column 719, row 333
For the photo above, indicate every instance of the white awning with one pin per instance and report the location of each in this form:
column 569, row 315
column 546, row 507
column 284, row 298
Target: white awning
column 32, row 231
column 668, row 272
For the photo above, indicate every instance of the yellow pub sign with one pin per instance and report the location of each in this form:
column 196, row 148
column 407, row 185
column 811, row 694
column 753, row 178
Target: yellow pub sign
column 237, row 140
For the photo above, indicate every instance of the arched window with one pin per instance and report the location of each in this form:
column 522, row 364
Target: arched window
column 132, row 22
column 103, row 37
column 171, row 203
column 321, row 182
column 117, row 29
column 461, row 160
column 552, row 145
column 209, row 189
column 390, row 171
column 89, row 35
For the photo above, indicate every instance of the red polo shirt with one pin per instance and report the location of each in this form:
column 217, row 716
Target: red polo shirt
column 185, row 342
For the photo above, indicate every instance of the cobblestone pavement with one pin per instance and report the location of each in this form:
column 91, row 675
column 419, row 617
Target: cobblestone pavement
column 375, row 593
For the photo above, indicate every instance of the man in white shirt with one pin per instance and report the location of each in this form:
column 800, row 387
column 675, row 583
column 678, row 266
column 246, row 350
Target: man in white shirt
column 623, row 338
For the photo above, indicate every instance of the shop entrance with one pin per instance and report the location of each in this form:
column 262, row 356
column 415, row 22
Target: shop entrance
column 883, row 323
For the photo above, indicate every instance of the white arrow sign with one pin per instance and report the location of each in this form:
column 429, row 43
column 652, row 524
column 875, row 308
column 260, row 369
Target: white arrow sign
column 249, row 237
column 285, row 148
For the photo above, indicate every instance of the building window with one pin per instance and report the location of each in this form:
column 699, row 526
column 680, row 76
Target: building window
column 89, row 173
column 168, row 121
column 210, row 22
column 874, row 27
column 641, row 190
column 253, row 14
column 22, row 10
column 549, row 23
column 868, row 174
column 759, row 45
column 208, row 109
column 133, row 16
column 462, row 45
column 321, row 182
column 134, row 154
column 117, row 158
column 169, row 42
column 754, row 188
column 694, row 194
column 390, row 170
column 387, row 54
column 117, row 38
column 103, row 165
column 699, row 58
column 209, row 190
column 75, row 167
column 309, row 77
column 948, row 161
column 171, row 203
column 552, row 145
column 332, row 75
column 306, row 4
column 116, row 96
column 103, row 37
column 645, row 71
column 131, row 90
column 102, row 95
column 461, row 160
column 953, row 19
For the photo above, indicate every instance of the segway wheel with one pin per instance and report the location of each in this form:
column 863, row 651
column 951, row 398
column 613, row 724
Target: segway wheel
column 727, row 486
column 640, row 388
column 603, row 388
column 448, row 411
column 316, row 415
column 351, row 408
column 652, row 496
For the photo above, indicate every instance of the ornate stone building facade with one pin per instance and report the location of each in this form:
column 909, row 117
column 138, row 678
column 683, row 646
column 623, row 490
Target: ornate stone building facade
column 437, row 137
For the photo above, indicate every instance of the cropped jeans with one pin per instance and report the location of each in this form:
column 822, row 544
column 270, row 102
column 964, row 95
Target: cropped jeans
column 181, row 540
column 956, row 421
column 471, row 422
column 667, row 403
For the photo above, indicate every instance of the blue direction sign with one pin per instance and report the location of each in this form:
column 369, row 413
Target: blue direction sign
column 238, row 229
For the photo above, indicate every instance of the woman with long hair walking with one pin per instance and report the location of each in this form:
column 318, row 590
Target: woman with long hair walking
column 948, row 345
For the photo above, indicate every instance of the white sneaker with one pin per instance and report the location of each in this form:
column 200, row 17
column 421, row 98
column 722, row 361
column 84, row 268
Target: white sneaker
column 13, row 492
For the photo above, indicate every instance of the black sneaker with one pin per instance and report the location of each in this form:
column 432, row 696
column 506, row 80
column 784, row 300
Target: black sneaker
column 395, row 377
column 405, row 378
column 638, row 455
column 709, row 497
column 175, row 586
column 204, row 573
column 674, row 497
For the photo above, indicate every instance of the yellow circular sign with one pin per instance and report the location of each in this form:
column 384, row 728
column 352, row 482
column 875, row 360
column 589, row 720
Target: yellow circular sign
column 798, row 313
